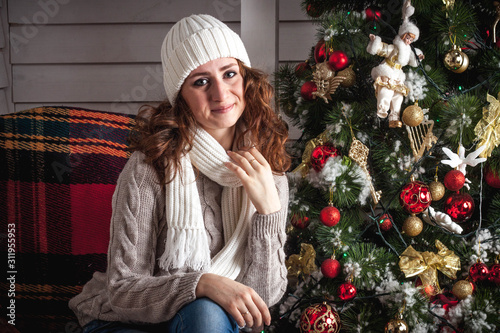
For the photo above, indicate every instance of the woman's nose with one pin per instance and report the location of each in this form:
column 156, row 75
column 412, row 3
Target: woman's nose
column 218, row 90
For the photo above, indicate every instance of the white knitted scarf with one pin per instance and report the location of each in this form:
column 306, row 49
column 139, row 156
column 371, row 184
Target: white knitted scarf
column 187, row 243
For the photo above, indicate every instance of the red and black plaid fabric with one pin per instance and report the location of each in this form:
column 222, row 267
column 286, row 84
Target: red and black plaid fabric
column 58, row 170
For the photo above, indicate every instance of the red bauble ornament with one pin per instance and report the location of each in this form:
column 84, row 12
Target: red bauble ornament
column 330, row 268
column 494, row 276
column 320, row 318
column 320, row 52
column 329, row 216
column 460, row 206
column 299, row 221
column 346, row 291
column 301, row 69
column 338, row 60
column 373, row 13
column 415, row 197
column 313, row 11
column 479, row 272
column 384, row 222
column 307, row 89
column 492, row 178
column 320, row 154
column 454, row 180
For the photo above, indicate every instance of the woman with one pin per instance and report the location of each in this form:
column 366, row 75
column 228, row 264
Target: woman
column 199, row 211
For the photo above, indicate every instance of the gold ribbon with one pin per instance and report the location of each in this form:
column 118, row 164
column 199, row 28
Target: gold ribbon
column 488, row 128
column 303, row 263
column 426, row 264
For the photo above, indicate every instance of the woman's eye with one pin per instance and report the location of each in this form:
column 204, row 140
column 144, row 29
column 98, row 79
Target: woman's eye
column 200, row 82
column 230, row 74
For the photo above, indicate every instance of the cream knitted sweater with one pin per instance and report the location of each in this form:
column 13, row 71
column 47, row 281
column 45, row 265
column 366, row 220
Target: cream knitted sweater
column 135, row 289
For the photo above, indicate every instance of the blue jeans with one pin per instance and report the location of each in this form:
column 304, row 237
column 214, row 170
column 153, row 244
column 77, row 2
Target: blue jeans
column 201, row 315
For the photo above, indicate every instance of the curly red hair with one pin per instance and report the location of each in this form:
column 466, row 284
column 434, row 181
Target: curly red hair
column 164, row 133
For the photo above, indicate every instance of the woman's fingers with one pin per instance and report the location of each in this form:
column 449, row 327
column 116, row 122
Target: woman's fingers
column 257, row 313
column 262, row 310
column 248, row 160
column 240, row 301
column 257, row 179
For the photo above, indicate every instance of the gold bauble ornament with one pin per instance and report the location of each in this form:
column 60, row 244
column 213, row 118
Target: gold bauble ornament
column 437, row 190
column 462, row 289
column 396, row 326
column 350, row 77
column 413, row 115
column 413, row 226
column 456, row 60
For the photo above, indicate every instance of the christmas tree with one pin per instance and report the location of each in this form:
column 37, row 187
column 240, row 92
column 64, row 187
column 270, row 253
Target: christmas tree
column 394, row 200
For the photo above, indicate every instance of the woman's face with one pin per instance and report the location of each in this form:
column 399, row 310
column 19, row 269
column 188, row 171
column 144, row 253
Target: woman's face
column 214, row 93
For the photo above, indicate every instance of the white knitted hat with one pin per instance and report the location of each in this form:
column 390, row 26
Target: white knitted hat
column 192, row 42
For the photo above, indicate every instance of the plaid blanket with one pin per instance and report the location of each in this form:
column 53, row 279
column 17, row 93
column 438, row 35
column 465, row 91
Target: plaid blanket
column 58, row 169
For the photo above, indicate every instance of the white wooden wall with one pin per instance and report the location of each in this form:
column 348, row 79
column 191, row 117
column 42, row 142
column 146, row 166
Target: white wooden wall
column 6, row 104
column 104, row 55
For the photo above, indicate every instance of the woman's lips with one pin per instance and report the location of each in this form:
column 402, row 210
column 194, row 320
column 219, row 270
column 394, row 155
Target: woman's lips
column 223, row 109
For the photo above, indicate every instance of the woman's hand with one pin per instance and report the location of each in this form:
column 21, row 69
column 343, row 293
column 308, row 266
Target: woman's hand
column 240, row 301
column 257, row 178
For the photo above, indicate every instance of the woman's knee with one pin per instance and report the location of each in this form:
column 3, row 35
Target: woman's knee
column 204, row 315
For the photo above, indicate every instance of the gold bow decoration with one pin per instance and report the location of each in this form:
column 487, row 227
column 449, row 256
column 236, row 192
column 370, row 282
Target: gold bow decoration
column 425, row 265
column 488, row 128
column 303, row 168
column 303, row 263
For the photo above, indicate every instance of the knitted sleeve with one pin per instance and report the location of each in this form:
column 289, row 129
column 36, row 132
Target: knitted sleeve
column 135, row 293
column 265, row 269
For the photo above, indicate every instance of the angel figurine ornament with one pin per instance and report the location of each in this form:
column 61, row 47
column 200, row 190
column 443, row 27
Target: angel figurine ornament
column 389, row 78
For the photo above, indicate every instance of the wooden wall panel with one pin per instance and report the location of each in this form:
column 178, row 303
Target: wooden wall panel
column 105, row 54
column 87, row 83
column 117, row 11
column 101, row 43
column 290, row 11
column 115, row 43
column 6, row 104
column 296, row 39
